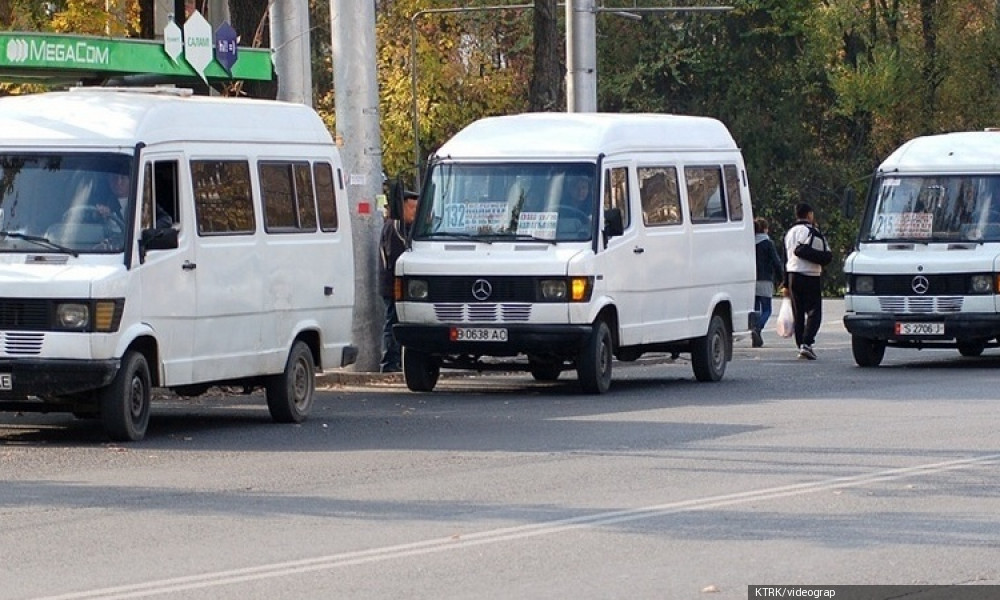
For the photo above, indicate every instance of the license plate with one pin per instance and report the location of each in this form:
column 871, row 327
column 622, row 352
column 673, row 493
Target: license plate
column 919, row 328
column 478, row 334
column 6, row 383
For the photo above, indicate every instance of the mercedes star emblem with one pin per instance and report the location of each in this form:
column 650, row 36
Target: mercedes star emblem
column 481, row 289
column 920, row 284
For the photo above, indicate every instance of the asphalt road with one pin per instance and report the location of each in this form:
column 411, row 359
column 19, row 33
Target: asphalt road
column 786, row 472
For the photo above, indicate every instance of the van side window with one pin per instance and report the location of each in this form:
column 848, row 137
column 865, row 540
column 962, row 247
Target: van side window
column 705, row 201
column 733, row 192
column 659, row 195
column 223, row 200
column 287, row 194
column 159, row 194
column 326, row 196
column 616, row 192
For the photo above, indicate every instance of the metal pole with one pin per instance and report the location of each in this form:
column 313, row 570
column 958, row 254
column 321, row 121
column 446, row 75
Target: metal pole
column 581, row 56
column 356, row 99
column 289, row 20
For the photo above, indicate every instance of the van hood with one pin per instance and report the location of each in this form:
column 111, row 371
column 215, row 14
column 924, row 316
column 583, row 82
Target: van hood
column 507, row 258
column 875, row 259
column 29, row 280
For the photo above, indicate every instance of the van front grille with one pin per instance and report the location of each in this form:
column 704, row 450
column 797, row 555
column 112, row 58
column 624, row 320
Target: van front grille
column 920, row 304
column 454, row 312
column 21, row 344
column 24, row 313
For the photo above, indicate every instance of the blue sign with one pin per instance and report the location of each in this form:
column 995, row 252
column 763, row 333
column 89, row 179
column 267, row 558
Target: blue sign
column 225, row 47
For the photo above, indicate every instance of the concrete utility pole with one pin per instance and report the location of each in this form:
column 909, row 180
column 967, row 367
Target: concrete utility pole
column 356, row 98
column 289, row 21
column 581, row 56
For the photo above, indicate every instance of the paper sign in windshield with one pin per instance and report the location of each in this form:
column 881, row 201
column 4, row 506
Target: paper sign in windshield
column 475, row 216
column 538, row 224
column 906, row 225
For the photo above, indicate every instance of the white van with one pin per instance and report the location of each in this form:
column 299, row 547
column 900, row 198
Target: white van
column 151, row 238
column 503, row 262
column 925, row 271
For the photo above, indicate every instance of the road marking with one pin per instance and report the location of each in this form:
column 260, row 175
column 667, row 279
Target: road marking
column 345, row 559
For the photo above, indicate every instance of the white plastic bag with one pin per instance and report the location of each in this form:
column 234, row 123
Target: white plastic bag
column 786, row 320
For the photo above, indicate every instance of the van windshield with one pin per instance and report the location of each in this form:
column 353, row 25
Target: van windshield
column 509, row 201
column 73, row 202
column 942, row 208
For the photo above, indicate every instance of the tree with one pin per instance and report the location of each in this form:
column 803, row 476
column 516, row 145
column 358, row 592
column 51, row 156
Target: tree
column 547, row 90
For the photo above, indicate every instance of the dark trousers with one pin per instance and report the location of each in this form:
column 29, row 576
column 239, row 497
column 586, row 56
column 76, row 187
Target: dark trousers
column 762, row 304
column 391, row 359
column 806, row 293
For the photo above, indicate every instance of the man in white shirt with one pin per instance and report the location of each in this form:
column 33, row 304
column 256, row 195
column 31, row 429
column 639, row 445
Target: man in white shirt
column 803, row 283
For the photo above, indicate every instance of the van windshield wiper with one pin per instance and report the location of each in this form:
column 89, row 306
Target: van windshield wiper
column 519, row 237
column 458, row 236
column 41, row 241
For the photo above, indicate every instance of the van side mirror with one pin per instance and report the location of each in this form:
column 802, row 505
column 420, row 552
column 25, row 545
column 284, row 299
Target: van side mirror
column 161, row 238
column 847, row 203
column 613, row 224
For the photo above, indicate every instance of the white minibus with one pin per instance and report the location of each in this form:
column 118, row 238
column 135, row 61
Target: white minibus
column 925, row 270
column 153, row 238
column 552, row 242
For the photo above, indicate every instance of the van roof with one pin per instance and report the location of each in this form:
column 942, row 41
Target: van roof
column 102, row 117
column 585, row 135
column 959, row 152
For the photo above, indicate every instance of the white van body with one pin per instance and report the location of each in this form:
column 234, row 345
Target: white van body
column 924, row 273
column 661, row 259
column 229, row 261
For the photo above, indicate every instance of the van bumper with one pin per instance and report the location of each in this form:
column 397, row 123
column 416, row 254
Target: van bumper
column 54, row 377
column 882, row 326
column 556, row 340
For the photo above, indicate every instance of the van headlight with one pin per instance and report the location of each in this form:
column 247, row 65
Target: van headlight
column 553, row 290
column 981, row 284
column 864, row 284
column 416, row 289
column 72, row 316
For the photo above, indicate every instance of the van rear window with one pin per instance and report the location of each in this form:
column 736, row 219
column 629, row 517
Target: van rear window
column 287, row 192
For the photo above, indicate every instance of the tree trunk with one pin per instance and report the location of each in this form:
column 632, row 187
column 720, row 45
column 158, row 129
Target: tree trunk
column 932, row 75
column 249, row 19
column 545, row 92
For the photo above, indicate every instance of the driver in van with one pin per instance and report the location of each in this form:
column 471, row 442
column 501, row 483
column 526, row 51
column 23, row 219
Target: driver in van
column 577, row 205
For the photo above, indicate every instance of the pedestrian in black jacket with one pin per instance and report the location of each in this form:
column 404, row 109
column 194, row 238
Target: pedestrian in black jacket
column 769, row 270
column 392, row 243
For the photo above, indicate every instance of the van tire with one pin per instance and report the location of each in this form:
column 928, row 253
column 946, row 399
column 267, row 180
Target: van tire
column 421, row 370
column 971, row 348
column 593, row 367
column 290, row 395
column 709, row 353
column 867, row 352
column 124, row 403
column 543, row 370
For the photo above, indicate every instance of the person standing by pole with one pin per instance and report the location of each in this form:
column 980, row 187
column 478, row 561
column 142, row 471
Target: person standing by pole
column 769, row 270
column 392, row 243
column 807, row 253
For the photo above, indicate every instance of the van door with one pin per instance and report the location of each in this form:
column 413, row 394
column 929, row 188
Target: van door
column 664, row 238
column 621, row 263
column 167, row 287
column 228, row 270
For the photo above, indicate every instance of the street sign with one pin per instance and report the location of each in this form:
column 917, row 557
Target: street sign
column 226, row 50
column 198, row 43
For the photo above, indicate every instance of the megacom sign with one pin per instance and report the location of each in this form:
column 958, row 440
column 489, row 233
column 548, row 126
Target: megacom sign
column 34, row 57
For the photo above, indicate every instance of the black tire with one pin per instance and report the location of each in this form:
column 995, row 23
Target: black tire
column 543, row 370
column 971, row 348
column 709, row 354
column 124, row 403
column 421, row 370
column 867, row 352
column 290, row 395
column 593, row 366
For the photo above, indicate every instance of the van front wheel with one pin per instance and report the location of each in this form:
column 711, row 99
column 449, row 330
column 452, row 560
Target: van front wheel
column 290, row 394
column 867, row 352
column 421, row 370
column 594, row 364
column 125, row 401
column 709, row 353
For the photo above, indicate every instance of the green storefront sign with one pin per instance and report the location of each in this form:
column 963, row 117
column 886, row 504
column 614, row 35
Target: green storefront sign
column 34, row 57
